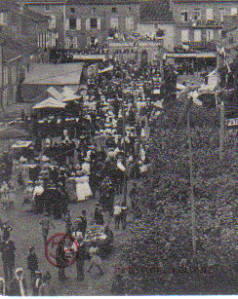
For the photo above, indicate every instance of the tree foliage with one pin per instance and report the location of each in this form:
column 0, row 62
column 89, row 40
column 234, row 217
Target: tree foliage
column 159, row 257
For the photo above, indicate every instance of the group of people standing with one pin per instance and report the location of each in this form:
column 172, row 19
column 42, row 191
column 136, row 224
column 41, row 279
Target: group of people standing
column 98, row 158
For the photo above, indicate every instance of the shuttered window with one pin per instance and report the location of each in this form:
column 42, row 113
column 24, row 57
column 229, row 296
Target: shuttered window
column 52, row 23
column 66, row 24
column 78, row 24
column 197, row 35
column 114, row 22
column 185, row 35
column 209, row 14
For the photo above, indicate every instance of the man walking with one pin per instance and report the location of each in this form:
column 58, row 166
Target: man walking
column 61, row 260
column 45, row 223
column 83, row 223
column 8, row 258
column 32, row 263
column 81, row 256
column 95, row 258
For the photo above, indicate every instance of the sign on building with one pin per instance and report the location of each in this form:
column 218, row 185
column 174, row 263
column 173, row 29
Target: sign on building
column 233, row 122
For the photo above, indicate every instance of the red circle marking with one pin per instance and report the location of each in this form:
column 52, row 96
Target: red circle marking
column 51, row 245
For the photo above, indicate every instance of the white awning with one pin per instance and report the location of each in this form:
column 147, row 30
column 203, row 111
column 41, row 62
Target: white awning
column 22, row 144
column 49, row 103
column 190, row 55
column 107, row 69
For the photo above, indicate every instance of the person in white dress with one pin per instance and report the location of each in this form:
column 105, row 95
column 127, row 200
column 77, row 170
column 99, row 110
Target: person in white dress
column 83, row 189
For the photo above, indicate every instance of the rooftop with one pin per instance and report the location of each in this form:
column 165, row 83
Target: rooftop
column 54, row 74
column 14, row 47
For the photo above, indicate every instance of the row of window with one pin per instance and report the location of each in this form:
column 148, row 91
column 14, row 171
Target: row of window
column 197, row 14
column 95, row 23
column 45, row 40
column 197, row 35
column 93, row 10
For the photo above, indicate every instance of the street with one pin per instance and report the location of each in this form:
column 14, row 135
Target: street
column 27, row 232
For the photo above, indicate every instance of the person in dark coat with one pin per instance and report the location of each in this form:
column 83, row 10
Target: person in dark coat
column 8, row 258
column 46, row 223
column 6, row 228
column 81, row 256
column 83, row 223
column 61, row 260
column 18, row 286
column 68, row 223
column 108, row 244
column 32, row 263
column 123, row 216
column 98, row 216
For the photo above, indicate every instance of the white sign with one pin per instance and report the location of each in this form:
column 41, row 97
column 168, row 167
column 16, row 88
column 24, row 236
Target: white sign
column 232, row 122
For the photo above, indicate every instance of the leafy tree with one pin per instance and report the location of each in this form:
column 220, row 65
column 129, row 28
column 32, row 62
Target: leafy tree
column 159, row 257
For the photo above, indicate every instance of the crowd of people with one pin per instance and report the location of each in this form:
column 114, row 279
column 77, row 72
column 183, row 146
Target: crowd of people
column 92, row 149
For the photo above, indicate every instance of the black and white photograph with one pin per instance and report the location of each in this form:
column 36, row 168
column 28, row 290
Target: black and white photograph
column 118, row 147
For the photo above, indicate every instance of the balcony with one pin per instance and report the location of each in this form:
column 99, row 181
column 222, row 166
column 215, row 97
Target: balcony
column 205, row 24
column 196, row 46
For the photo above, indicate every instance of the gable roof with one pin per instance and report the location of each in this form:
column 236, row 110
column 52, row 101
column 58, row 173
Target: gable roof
column 156, row 11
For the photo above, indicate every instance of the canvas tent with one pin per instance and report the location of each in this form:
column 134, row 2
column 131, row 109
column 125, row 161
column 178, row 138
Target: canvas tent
column 49, row 103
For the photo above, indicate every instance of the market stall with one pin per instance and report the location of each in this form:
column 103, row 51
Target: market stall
column 99, row 235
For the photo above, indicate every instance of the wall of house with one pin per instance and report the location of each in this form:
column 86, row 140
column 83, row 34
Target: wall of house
column 129, row 50
column 11, row 80
column 20, row 31
column 169, row 33
column 82, row 34
column 214, row 33
column 206, row 17
column 219, row 8
column 56, row 12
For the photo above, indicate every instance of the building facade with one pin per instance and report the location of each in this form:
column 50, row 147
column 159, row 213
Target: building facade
column 199, row 23
column 156, row 19
column 141, row 51
column 87, row 23
column 55, row 11
column 20, row 31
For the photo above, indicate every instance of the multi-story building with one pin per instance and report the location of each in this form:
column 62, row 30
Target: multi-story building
column 156, row 19
column 199, row 23
column 87, row 22
column 22, row 33
column 54, row 9
column 21, row 23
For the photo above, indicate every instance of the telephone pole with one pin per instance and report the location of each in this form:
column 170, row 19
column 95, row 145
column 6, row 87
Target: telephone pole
column 1, row 73
column 191, row 177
